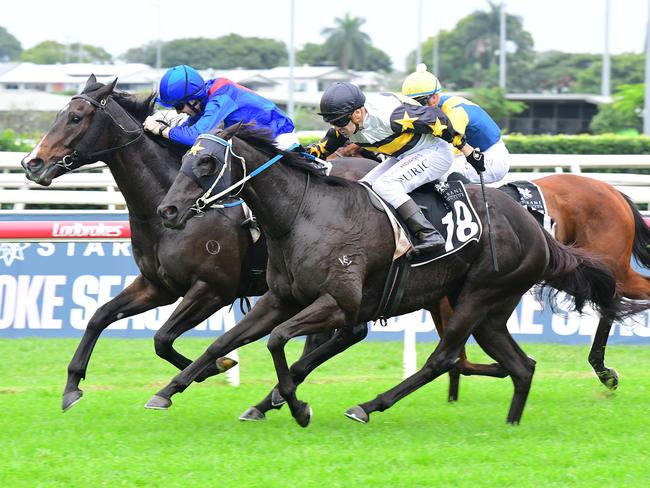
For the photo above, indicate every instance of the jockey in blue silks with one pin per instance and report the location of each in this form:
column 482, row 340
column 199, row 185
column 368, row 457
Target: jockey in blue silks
column 213, row 102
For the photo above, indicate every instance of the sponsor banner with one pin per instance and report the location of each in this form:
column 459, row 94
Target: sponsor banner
column 41, row 231
column 52, row 289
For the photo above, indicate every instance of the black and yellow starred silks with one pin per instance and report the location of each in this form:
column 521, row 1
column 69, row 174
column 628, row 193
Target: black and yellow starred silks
column 396, row 131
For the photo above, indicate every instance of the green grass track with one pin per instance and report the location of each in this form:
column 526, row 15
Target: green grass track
column 573, row 433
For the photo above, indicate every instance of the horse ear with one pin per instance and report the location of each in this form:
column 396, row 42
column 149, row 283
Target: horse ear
column 91, row 81
column 106, row 90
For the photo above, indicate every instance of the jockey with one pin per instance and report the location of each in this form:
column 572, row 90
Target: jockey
column 416, row 138
column 469, row 119
column 213, row 102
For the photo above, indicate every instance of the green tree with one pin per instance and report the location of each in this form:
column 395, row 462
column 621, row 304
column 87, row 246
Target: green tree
column 52, row 52
column 10, row 47
column 314, row 55
column 346, row 42
column 469, row 53
column 495, row 103
column 347, row 47
column 231, row 51
column 623, row 114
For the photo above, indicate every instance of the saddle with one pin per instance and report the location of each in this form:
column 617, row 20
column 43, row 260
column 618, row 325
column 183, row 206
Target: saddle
column 447, row 206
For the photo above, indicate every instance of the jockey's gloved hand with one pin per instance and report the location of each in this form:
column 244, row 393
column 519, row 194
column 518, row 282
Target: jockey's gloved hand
column 477, row 159
column 153, row 125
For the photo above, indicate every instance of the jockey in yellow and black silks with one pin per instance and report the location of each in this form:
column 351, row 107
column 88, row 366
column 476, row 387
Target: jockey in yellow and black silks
column 419, row 141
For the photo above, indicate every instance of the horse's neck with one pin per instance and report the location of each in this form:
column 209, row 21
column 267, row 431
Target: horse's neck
column 143, row 175
column 275, row 197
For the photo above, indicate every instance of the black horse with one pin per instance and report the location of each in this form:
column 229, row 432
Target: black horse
column 207, row 263
column 329, row 255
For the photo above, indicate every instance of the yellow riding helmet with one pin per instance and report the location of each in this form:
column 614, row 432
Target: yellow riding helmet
column 420, row 83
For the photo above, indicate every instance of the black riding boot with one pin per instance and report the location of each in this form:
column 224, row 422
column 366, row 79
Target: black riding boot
column 429, row 239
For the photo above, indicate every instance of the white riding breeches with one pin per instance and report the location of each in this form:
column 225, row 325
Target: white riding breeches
column 496, row 165
column 396, row 177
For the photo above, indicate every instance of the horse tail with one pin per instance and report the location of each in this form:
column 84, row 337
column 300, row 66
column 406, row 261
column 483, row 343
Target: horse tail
column 641, row 246
column 583, row 278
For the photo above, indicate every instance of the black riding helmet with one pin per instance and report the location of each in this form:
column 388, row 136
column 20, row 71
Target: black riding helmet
column 340, row 99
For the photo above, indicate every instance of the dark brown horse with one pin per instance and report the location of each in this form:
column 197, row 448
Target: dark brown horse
column 597, row 218
column 207, row 263
column 329, row 254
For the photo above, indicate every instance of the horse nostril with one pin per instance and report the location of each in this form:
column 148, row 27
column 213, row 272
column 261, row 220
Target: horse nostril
column 168, row 213
column 34, row 164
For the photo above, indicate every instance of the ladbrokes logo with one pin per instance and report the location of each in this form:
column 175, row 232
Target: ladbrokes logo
column 79, row 229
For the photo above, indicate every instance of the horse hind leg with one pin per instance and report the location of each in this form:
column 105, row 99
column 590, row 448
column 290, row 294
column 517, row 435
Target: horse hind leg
column 466, row 315
column 493, row 337
column 634, row 287
column 441, row 316
column 607, row 376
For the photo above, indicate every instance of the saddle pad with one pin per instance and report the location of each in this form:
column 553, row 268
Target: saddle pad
column 449, row 209
column 530, row 197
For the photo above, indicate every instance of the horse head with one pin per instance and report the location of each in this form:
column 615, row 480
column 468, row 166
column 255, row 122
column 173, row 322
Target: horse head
column 80, row 134
column 206, row 170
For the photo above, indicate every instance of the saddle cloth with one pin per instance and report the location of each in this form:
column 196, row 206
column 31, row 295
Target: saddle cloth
column 531, row 198
column 447, row 206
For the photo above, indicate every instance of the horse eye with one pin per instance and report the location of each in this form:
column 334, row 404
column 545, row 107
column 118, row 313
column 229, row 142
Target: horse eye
column 75, row 119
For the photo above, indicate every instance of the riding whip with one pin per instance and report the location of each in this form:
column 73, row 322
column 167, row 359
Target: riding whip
column 493, row 247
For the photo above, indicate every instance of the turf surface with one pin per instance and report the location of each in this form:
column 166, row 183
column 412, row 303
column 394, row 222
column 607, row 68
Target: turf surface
column 573, row 433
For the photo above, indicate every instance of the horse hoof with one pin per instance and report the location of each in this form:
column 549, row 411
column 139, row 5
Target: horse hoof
column 357, row 413
column 276, row 399
column 252, row 415
column 609, row 378
column 303, row 414
column 224, row 364
column 71, row 398
column 158, row 403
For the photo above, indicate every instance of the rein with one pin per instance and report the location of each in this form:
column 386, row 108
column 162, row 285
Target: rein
column 206, row 199
column 75, row 157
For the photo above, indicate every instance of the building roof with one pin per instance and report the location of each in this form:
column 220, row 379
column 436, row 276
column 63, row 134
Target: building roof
column 68, row 73
column 32, row 100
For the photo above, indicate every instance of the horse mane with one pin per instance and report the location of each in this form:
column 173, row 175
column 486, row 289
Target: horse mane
column 138, row 106
column 261, row 139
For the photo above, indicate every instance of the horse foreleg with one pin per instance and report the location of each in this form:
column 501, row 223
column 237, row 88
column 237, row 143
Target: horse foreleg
column 322, row 315
column 136, row 298
column 315, row 353
column 199, row 303
column 265, row 315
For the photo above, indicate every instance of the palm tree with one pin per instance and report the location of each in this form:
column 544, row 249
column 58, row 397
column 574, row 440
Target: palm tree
column 346, row 45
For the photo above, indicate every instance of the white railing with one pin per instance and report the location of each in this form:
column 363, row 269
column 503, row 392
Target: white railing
column 97, row 187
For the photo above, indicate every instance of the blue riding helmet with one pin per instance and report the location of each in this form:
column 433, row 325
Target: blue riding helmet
column 180, row 84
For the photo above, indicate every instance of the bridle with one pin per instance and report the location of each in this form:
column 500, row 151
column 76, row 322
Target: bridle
column 207, row 198
column 78, row 156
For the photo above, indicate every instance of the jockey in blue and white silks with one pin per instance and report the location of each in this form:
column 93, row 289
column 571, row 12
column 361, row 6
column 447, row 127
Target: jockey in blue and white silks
column 216, row 101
